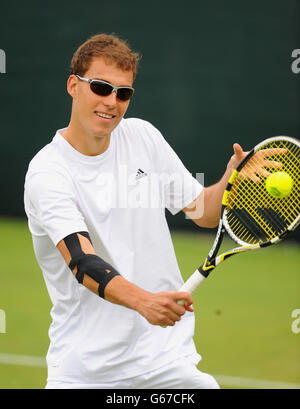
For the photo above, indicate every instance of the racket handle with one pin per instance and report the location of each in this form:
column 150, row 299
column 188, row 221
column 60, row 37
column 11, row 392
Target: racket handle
column 190, row 286
column 193, row 282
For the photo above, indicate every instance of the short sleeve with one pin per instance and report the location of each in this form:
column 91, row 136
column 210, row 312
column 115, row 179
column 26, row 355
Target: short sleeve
column 50, row 203
column 180, row 187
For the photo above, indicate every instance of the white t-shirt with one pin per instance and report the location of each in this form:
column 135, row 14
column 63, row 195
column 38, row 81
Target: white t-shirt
column 119, row 197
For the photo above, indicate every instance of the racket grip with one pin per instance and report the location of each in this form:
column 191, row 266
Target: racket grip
column 193, row 282
column 190, row 286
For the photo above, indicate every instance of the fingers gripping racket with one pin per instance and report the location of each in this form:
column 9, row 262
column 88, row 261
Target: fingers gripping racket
column 251, row 216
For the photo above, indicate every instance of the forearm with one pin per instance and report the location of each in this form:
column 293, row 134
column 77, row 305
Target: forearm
column 213, row 200
column 205, row 211
column 158, row 309
column 102, row 278
column 123, row 292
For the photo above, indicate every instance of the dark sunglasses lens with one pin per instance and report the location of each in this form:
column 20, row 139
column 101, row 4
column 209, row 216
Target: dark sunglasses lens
column 101, row 88
column 124, row 93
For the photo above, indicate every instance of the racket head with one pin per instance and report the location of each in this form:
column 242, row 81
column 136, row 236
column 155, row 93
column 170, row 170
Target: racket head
column 250, row 214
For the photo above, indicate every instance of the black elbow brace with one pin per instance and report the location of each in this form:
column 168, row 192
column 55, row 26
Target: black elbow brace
column 89, row 264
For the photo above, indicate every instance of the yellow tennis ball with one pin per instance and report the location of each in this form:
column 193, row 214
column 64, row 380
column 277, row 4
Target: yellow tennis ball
column 279, row 184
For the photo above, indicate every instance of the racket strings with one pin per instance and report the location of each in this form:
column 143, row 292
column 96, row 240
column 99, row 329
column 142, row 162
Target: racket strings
column 253, row 215
column 280, row 207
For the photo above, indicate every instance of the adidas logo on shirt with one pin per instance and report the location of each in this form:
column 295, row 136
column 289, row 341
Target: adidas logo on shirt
column 139, row 174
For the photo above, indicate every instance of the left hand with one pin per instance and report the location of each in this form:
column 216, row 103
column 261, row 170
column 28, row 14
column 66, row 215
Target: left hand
column 237, row 157
column 255, row 167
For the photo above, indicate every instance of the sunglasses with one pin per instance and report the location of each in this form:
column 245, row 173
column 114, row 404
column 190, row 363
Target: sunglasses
column 104, row 88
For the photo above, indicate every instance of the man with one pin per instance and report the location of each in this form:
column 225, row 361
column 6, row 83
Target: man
column 83, row 201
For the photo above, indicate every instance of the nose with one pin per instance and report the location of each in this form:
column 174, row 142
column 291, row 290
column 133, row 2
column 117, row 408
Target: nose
column 111, row 99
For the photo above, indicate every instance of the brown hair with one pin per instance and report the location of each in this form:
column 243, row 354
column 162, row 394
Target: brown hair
column 109, row 47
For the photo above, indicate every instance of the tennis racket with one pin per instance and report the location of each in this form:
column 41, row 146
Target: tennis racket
column 251, row 216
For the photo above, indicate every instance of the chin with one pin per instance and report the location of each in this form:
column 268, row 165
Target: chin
column 99, row 134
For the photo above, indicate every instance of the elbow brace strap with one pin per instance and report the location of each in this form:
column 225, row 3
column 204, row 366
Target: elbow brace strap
column 89, row 264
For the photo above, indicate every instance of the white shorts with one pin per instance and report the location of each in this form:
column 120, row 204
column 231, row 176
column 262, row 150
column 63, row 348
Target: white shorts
column 179, row 374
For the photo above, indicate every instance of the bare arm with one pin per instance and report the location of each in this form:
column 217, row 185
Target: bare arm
column 159, row 309
column 205, row 210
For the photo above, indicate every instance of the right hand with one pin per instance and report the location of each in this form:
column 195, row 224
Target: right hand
column 163, row 308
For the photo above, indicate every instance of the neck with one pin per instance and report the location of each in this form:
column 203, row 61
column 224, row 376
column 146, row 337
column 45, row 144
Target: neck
column 84, row 142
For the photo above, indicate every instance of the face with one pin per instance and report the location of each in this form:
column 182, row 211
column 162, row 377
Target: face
column 88, row 108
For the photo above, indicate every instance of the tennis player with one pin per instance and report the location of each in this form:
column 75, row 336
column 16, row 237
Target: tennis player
column 95, row 198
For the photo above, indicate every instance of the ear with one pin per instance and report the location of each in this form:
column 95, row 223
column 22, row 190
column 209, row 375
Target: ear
column 72, row 85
